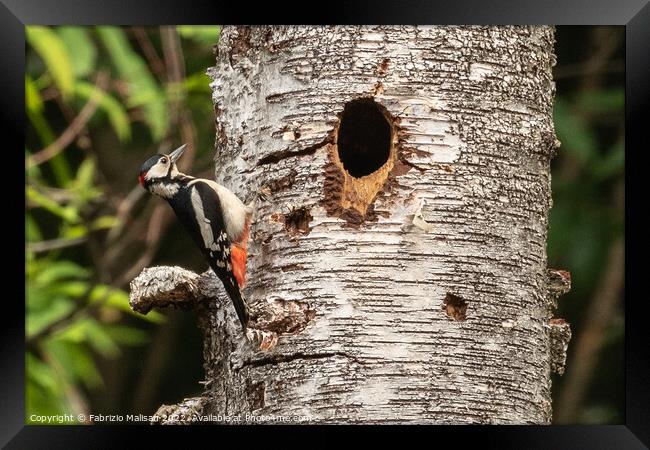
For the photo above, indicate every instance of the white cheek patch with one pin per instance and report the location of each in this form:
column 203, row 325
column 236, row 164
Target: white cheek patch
column 159, row 170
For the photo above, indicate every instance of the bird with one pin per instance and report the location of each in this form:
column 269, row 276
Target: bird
column 216, row 219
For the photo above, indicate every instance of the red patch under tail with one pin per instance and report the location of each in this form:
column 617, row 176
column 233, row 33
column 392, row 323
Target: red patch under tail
column 238, row 258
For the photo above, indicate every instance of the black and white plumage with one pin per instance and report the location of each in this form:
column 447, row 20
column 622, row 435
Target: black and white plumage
column 217, row 220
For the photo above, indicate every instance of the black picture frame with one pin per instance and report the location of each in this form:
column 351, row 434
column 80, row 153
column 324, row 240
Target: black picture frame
column 633, row 14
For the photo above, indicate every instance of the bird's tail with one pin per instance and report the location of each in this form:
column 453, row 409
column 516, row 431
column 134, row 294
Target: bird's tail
column 235, row 295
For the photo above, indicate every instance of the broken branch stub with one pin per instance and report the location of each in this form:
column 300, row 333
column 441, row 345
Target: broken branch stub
column 559, row 283
column 163, row 286
column 560, row 337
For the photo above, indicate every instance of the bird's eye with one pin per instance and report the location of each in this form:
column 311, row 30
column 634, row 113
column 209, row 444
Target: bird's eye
column 163, row 160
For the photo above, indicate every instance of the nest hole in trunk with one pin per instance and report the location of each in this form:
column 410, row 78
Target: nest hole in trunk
column 364, row 137
column 360, row 160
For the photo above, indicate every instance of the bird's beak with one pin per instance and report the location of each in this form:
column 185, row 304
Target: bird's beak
column 177, row 153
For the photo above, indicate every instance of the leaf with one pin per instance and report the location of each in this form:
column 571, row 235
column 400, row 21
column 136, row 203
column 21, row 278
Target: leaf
column 40, row 373
column 85, row 174
column 67, row 288
column 40, row 403
column 151, row 316
column 116, row 113
column 143, row 90
column 36, row 298
column 42, row 128
column 74, row 231
column 104, row 222
column 81, row 49
column 77, row 231
column 60, row 270
column 197, row 83
column 75, row 362
column 32, row 172
column 204, row 34
column 43, row 390
column 82, row 186
column 46, row 135
column 118, row 299
column 142, row 98
column 32, row 232
column 38, row 320
column 33, row 100
column 67, row 213
column 54, row 54
column 101, row 341
column 87, row 330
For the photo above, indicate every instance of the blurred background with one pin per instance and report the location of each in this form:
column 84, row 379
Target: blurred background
column 99, row 100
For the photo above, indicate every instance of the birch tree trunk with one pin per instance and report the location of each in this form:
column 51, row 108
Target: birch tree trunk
column 401, row 255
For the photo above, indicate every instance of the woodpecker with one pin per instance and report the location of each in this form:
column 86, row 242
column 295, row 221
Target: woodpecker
column 216, row 218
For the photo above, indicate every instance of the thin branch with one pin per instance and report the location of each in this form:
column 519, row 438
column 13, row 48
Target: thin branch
column 173, row 54
column 174, row 61
column 73, row 394
column 83, row 141
column 50, row 93
column 75, row 127
column 123, row 212
column 149, row 51
column 61, row 196
column 54, row 244
column 157, row 224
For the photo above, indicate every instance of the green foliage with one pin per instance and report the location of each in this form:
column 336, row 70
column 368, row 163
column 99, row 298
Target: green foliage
column 81, row 49
column 33, row 101
column 73, row 320
column 54, row 53
column 116, row 113
column 43, row 393
column 203, row 34
column 143, row 90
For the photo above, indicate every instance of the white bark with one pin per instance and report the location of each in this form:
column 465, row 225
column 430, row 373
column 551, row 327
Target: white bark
column 420, row 291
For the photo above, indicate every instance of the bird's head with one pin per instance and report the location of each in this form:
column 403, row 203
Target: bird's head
column 159, row 168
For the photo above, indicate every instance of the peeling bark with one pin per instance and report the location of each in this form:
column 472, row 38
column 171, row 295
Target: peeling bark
column 425, row 280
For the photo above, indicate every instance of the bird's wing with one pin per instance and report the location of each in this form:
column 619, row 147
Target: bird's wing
column 216, row 245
